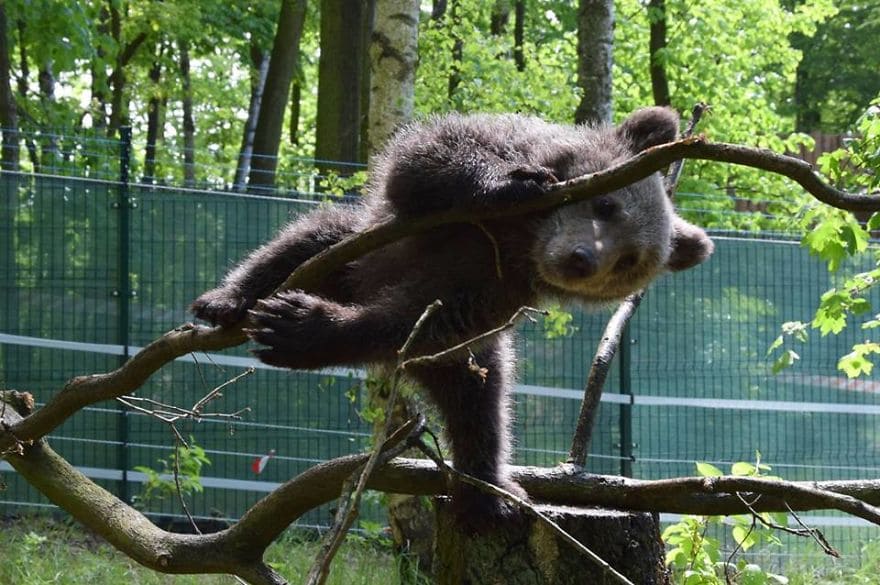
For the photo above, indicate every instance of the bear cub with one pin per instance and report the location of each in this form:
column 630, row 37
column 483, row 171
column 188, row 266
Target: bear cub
column 595, row 251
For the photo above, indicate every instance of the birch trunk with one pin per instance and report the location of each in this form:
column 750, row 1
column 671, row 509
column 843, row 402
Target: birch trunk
column 393, row 58
column 595, row 52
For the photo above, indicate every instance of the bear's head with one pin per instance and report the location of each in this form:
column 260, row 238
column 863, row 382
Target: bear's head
column 607, row 247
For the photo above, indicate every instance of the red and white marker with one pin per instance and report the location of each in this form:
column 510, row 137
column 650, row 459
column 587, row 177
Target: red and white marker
column 259, row 464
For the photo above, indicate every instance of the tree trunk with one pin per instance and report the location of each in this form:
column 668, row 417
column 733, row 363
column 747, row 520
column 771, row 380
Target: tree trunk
column 340, row 78
column 49, row 144
column 154, row 105
column 595, row 48
column 457, row 49
column 98, row 103
column 519, row 25
column 24, row 68
column 500, row 17
column 659, row 81
column 260, row 61
column 189, row 124
column 365, row 38
column 118, row 78
column 9, row 311
column 525, row 551
column 8, row 109
column 393, row 58
column 270, row 121
column 295, row 103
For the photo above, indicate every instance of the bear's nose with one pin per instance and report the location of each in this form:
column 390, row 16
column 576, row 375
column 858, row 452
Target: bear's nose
column 582, row 262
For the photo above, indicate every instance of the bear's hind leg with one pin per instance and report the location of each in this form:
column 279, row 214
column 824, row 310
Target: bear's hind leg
column 474, row 402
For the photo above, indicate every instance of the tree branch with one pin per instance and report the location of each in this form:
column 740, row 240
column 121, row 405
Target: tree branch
column 580, row 443
column 86, row 390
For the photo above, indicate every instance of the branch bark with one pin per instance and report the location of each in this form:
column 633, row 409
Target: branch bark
column 85, row 390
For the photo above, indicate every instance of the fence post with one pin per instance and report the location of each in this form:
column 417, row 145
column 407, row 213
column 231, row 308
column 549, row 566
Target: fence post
column 123, row 291
column 626, row 436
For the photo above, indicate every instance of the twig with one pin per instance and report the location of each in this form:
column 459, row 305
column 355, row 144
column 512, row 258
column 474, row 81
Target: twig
column 525, row 506
column 727, row 563
column 670, row 182
column 216, row 392
column 464, row 344
column 177, row 485
column 580, row 443
column 170, row 414
column 804, row 530
column 352, row 490
column 817, row 535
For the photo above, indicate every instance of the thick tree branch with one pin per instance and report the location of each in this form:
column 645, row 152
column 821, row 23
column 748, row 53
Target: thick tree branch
column 640, row 166
column 86, row 390
column 82, row 391
column 127, row 529
column 238, row 550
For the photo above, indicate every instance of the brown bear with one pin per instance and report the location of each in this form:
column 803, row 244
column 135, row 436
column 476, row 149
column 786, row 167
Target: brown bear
column 595, row 251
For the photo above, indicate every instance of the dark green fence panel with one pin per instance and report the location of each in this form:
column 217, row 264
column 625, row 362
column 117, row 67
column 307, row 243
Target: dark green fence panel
column 698, row 372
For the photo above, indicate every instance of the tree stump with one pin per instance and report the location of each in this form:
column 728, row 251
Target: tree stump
column 526, row 551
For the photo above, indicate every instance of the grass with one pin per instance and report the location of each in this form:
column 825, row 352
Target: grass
column 37, row 550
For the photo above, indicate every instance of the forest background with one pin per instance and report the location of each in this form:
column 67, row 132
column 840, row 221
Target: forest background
column 207, row 105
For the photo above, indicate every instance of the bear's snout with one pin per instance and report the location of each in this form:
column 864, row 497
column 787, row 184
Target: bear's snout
column 581, row 263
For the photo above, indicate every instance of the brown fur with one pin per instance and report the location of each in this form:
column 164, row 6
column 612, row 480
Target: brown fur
column 594, row 251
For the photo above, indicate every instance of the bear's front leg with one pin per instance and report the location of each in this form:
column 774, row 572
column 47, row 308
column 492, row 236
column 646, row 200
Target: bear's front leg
column 268, row 266
column 304, row 331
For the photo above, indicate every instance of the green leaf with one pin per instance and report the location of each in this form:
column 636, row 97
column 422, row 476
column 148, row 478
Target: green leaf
column 708, row 470
column 743, row 468
column 856, row 363
column 777, row 343
column 744, row 536
column 786, row 360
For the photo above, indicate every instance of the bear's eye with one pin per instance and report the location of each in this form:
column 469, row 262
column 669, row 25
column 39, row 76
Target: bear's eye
column 604, row 208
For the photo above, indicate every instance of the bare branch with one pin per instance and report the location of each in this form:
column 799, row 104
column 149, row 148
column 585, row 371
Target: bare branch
column 803, row 531
column 580, row 443
column 310, row 273
column 464, row 344
column 670, row 182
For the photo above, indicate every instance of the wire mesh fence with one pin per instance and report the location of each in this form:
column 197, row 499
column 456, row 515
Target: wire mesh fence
column 93, row 268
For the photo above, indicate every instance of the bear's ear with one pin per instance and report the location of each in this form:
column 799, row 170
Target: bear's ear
column 690, row 245
column 649, row 127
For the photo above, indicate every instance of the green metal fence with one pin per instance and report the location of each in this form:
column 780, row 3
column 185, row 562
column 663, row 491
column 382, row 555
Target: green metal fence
column 92, row 269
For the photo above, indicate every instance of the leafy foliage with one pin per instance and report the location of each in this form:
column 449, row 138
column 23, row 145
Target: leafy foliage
column 695, row 557
column 186, row 462
column 838, row 238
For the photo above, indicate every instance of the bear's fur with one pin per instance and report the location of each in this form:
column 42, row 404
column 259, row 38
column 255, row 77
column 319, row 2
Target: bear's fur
column 593, row 251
